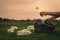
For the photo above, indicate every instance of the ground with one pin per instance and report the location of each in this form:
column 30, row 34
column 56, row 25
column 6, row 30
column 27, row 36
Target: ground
column 4, row 35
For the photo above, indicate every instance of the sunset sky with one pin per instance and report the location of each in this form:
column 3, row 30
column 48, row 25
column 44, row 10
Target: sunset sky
column 23, row 9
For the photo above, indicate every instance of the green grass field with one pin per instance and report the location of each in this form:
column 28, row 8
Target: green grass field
column 4, row 35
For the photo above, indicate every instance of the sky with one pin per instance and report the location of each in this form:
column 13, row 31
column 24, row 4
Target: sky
column 26, row 9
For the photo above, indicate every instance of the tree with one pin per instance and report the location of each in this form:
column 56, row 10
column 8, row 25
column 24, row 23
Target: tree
column 1, row 19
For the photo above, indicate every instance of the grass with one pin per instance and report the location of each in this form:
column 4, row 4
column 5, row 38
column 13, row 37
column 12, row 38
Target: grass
column 4, row 35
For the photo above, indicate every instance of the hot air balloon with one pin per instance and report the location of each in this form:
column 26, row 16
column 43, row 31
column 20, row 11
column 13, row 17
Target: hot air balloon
column 36, row 7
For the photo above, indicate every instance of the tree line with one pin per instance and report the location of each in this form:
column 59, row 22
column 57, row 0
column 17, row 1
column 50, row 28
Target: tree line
column 6, row 19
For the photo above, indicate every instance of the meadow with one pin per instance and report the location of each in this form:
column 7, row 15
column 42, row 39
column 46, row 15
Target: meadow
column 4, row 35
